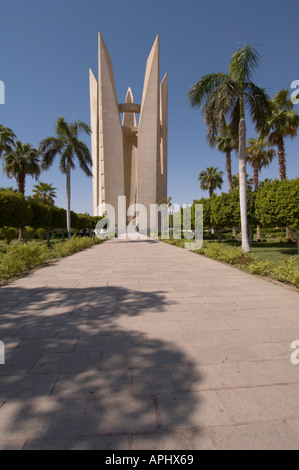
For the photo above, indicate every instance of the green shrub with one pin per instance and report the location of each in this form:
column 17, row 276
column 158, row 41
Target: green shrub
column 41, row 233
column 9, row 234
column 287, row 271
column 227, row 254
column 263, row 268
column 19, row 257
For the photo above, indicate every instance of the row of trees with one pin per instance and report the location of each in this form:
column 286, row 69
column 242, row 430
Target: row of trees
column 20, row 160
column 223, row 99
column 18, row 212
column 275, row 204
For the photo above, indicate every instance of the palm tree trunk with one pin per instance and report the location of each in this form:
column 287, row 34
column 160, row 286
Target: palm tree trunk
column 256, row 176
column 256, row 187
column 281, row 159
column 229, row 169
column 283, row 174
column 21, row 183
column 68, row 200
column 242, row 185
column 21, row 188
column 258, row 233
column 230, row 180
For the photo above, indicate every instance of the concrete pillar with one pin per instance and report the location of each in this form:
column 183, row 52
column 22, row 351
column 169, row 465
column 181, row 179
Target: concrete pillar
column 149, row 132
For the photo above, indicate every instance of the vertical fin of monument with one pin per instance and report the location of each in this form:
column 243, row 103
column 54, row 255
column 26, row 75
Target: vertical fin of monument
column 94, row 124
column 130, row 154
column 129, row 119
column 164, row 136
column 110, row 133
column 149, row 132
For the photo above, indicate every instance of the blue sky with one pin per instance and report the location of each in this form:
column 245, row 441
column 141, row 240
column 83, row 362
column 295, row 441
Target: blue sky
column 47, row 48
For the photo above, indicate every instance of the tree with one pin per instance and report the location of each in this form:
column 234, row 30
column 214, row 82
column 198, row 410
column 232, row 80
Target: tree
column 14, row 211
column 7, row 140
column 206, row 203
column 58, row 222
column 225, row 144
column 282, row 122
column 236, row 182
column 210, row 179
column 259, row 155
column 83, row 222
column 221, row 95
column 23, row 160
column 67, row 144
column 45, row 193
column 277, row 203
column 221, row 213
column 41, row 215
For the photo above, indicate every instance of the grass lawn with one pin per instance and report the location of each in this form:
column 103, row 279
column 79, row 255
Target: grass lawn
column 272, row 251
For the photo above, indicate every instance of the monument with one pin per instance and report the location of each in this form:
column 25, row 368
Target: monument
column 129, row 155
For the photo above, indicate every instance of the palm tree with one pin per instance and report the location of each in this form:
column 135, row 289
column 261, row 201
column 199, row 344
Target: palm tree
column 210, row 179
column 225, row 144
column 45, row 193
column 7, row 140
column 67, row 144
column 236, row 182
column 21, row 161
column 282, row 122
column 223, row 95
column 259, row 155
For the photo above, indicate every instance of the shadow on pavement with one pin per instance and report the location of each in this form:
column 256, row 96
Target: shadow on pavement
column 81, row 371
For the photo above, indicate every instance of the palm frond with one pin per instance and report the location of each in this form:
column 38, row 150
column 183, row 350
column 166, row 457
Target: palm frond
column 48, row 149
column 258, row 103
column 81, row 126
column 243, row 63
column 202, row 89
column 83, row 154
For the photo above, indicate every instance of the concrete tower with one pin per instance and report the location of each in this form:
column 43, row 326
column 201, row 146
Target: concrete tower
column 129, row 159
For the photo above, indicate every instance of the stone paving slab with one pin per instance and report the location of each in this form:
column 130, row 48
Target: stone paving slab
column 142, row 345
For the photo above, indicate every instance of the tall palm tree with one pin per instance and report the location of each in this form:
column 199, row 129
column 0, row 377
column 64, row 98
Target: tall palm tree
column 283, row 121
column 45, row 193
column 210, row 179
column 7, row 140
column 21, row 161
column 225, row 144
column 67, row 144
column 223, row 95
column 259, row 155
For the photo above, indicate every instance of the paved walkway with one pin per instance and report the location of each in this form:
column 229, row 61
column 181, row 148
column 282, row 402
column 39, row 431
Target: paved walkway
column 141, row 345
